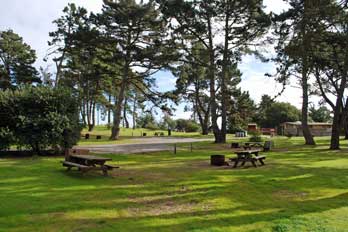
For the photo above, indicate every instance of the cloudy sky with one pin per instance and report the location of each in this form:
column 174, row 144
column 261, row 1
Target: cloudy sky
column 33, row 21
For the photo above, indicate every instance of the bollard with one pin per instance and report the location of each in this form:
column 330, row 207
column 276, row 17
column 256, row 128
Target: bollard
column 191, row 147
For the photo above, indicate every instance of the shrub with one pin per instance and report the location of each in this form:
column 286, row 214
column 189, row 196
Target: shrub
column 6, row 138
column 192, row 127
column 187, row 125
column 40, row 117
column 151, row 126
column 255, row 137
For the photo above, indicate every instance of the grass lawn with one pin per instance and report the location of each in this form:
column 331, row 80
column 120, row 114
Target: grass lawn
column 300, row 189
column 126, row 134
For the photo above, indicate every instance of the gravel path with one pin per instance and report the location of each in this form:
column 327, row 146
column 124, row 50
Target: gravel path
column 140, row 145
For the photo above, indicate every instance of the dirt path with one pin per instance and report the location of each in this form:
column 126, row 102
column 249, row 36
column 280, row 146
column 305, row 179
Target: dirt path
column 140, row 145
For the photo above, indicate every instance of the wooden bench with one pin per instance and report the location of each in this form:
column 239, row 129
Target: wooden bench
column 110, row 167
column 248, row 156
column 260, row 159
column 80, row 167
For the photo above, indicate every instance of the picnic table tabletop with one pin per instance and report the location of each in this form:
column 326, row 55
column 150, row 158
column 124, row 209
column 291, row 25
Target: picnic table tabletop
column 91, row 157
column 248, row 151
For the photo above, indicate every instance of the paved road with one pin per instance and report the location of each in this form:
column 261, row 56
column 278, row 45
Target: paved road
column 140, row 145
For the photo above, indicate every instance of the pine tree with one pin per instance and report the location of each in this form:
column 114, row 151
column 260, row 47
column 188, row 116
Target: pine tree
column 16, row 61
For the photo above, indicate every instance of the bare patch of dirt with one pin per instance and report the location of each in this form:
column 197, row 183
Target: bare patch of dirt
column 289, row 194
column 164, row 208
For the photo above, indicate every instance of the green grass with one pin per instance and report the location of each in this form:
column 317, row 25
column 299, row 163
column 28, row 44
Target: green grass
column 300, row 189
column 127, row 134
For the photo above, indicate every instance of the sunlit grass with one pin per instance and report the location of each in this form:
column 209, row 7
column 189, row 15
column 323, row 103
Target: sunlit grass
column 300, row 189
column 127, row 134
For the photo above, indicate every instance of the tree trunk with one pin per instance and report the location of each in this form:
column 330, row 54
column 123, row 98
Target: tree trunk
column 134, row 111
column 305, row 46
column 335, row 135
column 345, row 125
column 214, row 106
column 109, row 111
column 91, row 124
column 115, row 131
column 305, row 128
column 224, row 77
column 125, row 113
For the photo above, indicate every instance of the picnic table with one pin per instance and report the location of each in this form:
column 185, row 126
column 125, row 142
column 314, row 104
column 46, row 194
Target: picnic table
column 86, row 163
column 251, row 155
column 266, row 146
column 249, row 145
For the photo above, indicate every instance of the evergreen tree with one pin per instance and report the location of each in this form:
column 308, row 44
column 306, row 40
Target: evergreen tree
column 16, row 61
column 237, row 23
column 293, row 29
column 134, row 33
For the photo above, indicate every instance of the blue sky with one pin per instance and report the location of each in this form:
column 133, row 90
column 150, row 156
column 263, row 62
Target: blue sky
column 33, row 21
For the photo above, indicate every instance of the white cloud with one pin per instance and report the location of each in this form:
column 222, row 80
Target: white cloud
column 33, row 19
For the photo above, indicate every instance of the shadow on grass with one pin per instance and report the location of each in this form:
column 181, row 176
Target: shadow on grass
column 186, row 196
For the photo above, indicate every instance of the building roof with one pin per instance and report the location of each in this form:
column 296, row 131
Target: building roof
column 298, row 123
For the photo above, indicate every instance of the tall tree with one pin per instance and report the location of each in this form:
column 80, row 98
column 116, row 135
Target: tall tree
column 135, row 33
column 320, row 114
column 330, row 61
column 293, row 28
column 236, row 23
column 16, row 61
column 192, row 84
column 62, row 39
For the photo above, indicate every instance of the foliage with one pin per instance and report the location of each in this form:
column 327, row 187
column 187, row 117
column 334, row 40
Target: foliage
column 241, row 112
column 6, row 138
column 321, row 114
column 255, row 136
column 146, row 120
column 186, row 125
column 280, row 112
column 135, row 35
column 16, row 61
column 271, row 114
column 223, row 31
column 40, row 117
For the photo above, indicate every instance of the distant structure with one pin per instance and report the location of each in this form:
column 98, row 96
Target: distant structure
column 252, row 127
column 295, row 128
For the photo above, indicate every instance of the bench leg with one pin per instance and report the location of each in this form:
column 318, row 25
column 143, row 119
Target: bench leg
column 68, row 169
column 254, row 163
column 105, row 170
column 236, row 163
column 261, row 161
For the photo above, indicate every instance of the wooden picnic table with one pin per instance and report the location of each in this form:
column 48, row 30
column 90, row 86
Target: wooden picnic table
column 251, row 155
column 86, row 163
column 249, row 145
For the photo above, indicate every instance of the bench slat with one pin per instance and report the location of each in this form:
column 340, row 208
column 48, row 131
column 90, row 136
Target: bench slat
column 110, row 167
column 71, row 164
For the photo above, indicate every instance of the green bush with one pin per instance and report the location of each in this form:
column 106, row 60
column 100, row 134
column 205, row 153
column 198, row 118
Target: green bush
column 40, row 117
column 151, row 126
column 255, row 137
column 187, row 125
column 6, row 138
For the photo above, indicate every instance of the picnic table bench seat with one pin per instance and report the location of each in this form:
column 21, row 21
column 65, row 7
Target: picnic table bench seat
column 85, row 162
column 251, row 156
column 110, row 167
column 71, row 164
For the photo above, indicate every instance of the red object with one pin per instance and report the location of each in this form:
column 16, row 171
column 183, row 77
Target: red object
column 268, row 131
